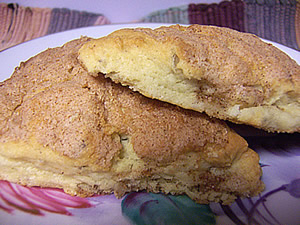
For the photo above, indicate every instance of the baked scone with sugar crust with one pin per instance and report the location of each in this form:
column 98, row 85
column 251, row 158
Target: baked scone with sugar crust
column 227, row 74
column 62, row 128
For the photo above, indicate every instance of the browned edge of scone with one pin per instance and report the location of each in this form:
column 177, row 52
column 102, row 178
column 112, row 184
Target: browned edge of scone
column 61, row 127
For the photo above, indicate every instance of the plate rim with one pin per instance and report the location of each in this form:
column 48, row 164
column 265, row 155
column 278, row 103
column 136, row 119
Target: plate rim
column 24, row 51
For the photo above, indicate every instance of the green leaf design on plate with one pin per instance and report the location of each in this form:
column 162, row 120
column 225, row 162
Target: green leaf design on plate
column 149, row 208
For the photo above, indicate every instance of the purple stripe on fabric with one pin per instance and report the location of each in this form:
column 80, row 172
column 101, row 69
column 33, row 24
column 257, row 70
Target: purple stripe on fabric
column 65, row 19
column 226, row 14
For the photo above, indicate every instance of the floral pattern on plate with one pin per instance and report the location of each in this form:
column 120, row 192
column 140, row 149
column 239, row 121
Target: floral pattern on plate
column 36, row 200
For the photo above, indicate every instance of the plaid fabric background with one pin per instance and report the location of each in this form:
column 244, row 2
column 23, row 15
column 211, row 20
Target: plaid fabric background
column 19, row 24
column 275, row 20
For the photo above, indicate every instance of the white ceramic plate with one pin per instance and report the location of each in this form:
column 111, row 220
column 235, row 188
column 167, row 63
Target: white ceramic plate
column 280, row 160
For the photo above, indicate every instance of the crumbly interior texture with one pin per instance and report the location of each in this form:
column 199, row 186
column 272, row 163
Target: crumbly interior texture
column 61, row 127
column 227, row 74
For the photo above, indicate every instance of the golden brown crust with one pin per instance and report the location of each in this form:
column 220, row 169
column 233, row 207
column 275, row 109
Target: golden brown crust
column 63, row 128
column 227, row 74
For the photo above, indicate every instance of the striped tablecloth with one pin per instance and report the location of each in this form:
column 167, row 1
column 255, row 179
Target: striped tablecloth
column 274, row 20
column 19, row 24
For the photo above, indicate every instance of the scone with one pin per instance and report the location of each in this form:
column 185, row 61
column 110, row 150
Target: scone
column 225, row 73
column 61, row 127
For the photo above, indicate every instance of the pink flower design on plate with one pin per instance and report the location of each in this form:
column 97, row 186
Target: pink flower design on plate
column 34, row 199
